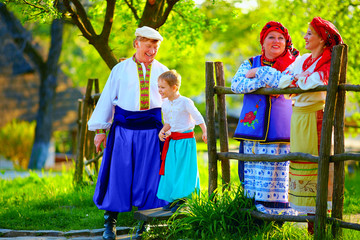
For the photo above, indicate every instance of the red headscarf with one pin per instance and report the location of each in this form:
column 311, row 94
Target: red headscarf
column 289, row 55
column 328, row 32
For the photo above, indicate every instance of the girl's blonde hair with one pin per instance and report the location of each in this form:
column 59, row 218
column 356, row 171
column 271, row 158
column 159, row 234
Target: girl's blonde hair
column 172, row 78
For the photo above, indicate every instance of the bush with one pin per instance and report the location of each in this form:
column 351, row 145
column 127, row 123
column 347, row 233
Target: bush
column 220, row 216
column 16, row 141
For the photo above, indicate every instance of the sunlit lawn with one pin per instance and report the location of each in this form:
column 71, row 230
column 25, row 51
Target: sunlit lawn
column 54, row 203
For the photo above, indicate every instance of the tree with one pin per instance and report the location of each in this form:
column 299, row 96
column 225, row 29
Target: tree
column 85, row 16
column 47, row 70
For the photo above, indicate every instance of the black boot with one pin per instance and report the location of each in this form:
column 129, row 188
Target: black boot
column 110, row 225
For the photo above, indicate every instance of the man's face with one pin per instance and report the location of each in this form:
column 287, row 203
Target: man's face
column 146, row 50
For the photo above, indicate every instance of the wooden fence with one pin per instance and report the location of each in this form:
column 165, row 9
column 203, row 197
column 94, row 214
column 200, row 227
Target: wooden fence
column 333, row 118
column 85, row 153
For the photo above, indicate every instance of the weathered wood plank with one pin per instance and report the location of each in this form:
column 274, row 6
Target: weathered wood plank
column 345, row 156
column 210, row 115
column 268, row 158
column 223, row 127
column 344, row 224
column 268, row 91
column 325, row 144
column 339, row 170
column 152, row 214
column 79, row 165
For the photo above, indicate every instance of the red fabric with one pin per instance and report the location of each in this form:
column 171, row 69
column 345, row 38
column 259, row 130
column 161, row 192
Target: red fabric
column 173, row 136
column 290, row 53
column 328, row 32
column 319, row 120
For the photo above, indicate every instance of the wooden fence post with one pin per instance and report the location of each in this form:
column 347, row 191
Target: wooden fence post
column 79, row 166
column 325, row 145
column 210, row 115
column 97, row 91
column 339, row 172
column 223, row 127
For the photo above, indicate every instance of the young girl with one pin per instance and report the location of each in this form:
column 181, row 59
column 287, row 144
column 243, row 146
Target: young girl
column 179, row 171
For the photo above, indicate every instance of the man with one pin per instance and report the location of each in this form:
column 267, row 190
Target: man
column 129, row 107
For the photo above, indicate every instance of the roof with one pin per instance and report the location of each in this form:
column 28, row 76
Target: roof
column 20, row 83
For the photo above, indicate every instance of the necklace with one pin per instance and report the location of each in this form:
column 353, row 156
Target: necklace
column 266, row 61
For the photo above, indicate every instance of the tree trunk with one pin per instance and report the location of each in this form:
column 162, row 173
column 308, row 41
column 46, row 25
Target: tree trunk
column 153, row 13
column 48, row 78
column 105, row 51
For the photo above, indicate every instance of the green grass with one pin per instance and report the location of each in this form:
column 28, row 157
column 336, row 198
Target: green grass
column 50, row 203
column 352, row 193
column 53, row 203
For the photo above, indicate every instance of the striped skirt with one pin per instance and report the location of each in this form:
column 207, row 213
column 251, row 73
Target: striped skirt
column 305, row 137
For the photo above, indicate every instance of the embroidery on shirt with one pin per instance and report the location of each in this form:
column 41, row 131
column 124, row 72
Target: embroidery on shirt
column 250, row 117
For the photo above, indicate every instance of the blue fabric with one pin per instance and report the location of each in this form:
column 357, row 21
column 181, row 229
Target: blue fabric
column 267, row 181
column 254, row 118
column 181, row 176
column 241, row 163
column 264, row 118
column 128, row 173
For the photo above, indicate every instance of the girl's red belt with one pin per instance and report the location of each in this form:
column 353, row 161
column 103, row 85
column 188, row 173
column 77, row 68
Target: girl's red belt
column 173, row 136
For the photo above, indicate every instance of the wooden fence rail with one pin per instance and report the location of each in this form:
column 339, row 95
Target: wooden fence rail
column 333, row 117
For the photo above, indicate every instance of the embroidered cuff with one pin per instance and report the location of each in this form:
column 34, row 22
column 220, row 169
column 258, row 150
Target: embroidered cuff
column 100, row 131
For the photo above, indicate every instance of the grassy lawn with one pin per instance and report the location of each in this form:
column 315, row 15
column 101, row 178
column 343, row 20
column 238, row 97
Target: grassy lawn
column 352, row 193
column 54, row 203
column 35, row 203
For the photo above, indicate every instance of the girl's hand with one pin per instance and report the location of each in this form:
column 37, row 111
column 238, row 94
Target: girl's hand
column 204, row 137
column 167, row 133
column 251, row 73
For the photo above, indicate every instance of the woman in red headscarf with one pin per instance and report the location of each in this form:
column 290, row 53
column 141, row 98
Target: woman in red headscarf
column 264, row 123
column 310, row 71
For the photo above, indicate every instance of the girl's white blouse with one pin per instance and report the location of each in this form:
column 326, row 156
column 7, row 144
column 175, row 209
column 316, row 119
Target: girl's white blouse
column 181, row 114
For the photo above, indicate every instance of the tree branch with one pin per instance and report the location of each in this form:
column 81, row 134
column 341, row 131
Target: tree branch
column 168, row 9
column 80, row 18
column 132, row 8
column 109, row 17
column 35, row 6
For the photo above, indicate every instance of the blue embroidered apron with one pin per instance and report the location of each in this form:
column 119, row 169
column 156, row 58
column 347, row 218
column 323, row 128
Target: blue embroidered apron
column 264, row 118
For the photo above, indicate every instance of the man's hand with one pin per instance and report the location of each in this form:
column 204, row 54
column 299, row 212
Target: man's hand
column 100, row 138
column 204, row 137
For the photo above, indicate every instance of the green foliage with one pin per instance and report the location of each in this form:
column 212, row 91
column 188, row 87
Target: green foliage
column 344, row 15
column 51, row 202
column 63, row 142
column 16, row 140
column 42, row 11
column 217, row 216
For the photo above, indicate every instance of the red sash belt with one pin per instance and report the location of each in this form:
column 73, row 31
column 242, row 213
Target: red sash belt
column 173, row 136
